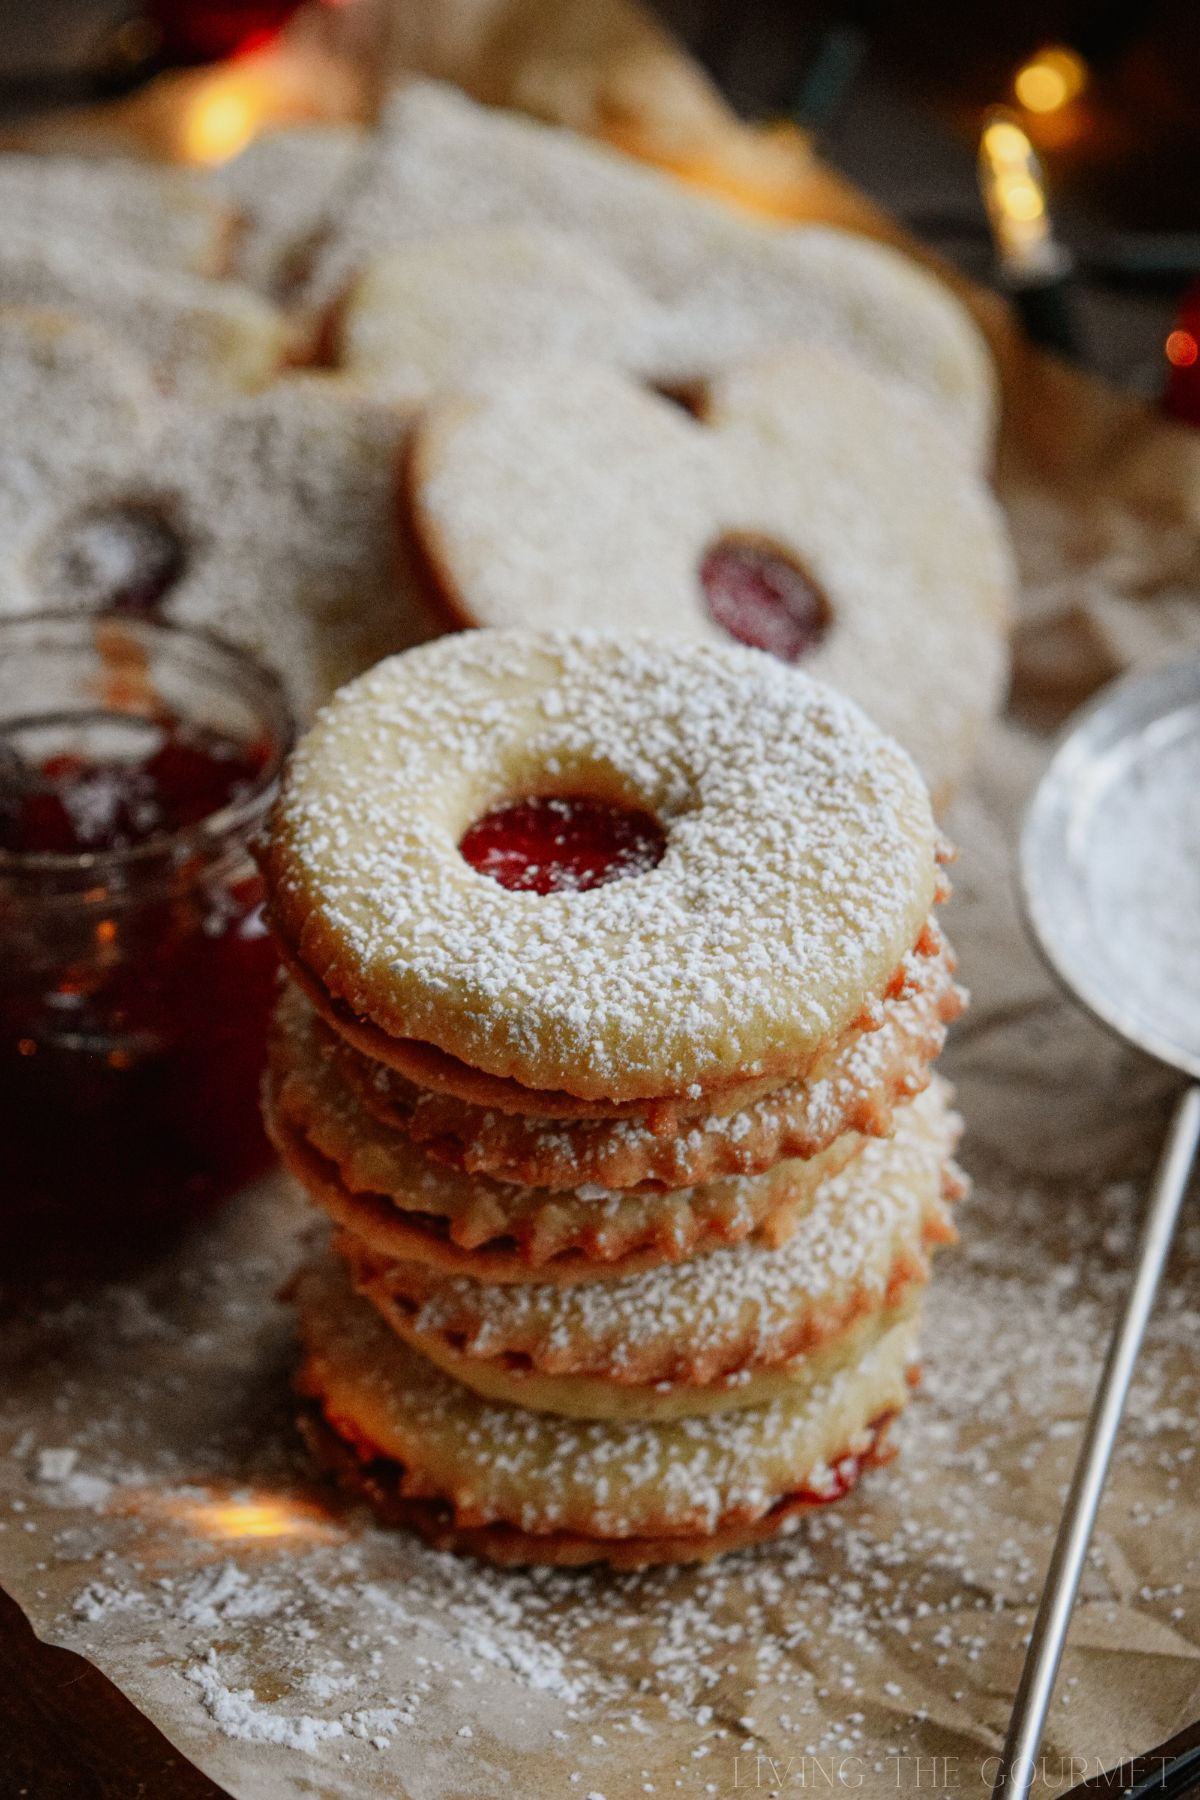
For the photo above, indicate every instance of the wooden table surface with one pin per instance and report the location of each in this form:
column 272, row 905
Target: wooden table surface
column 66, row 1733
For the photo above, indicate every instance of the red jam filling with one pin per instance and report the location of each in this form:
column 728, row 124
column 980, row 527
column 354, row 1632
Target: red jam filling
column 846, row 1473
column 133, row 1020
column 762, row 598
column 566, row 844
column 844, row 1477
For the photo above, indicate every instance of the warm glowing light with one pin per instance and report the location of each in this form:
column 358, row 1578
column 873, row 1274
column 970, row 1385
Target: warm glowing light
column 230, row 1518
column 1024, row 199
column 1182, row 349
column 1006, row 143
column 765, row 171
column 1051, row 79
column 255, row 1519
column 220, row 119
column 1010, row 177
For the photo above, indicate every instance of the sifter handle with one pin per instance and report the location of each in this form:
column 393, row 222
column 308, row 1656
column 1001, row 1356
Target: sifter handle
column 1018, row 1760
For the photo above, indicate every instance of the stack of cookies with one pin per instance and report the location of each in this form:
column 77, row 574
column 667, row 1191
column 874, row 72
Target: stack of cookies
column 615, row 991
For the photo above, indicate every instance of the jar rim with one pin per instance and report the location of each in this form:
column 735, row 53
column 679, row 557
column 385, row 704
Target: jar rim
column 259, row 686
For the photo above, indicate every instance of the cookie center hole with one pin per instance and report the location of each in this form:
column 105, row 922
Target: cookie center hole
column 121, row 558
column 558, row 844
column 763, row 597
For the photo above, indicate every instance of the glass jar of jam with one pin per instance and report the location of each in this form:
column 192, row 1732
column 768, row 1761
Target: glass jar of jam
column 137, row 761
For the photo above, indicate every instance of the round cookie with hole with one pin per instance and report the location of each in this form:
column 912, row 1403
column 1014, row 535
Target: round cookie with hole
column 385, row 1485
column 810, row 510
column 783, row 861
column 727, row 285
column 268, row 518
column 74, row 403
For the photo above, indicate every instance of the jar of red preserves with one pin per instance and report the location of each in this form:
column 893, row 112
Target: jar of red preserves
column 137, row 762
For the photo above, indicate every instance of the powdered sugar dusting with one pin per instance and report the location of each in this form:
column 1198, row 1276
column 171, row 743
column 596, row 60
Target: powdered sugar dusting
column 275, row 511
column 724, row 287
column 734, row 1307
column 884, row 1629
column 374, row 1154
column 853, row 1091
column 798, row 871
column 439, row 312
column 201, row 337
column 72, row 404
column 281, row 185
column 564, row 496
column 239, row 1714
column 1142, row 861
column 158, row 216
column 629, row 1477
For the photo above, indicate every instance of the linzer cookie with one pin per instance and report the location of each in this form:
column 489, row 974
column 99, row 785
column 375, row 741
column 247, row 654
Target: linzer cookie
column 393, row 1191
column 517, row 1484
column 813, row 510
column 268, row 518
column 200, row 338
column 72, row 403
column 718, row 1323
column 563, row 907
column 749, row 862
column 726, row 286
column 280, row 186
column 430, row 314
column 855, row 1089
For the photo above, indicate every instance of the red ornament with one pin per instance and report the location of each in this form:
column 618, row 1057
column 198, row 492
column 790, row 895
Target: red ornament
column 1181, row 396
column 200, row 31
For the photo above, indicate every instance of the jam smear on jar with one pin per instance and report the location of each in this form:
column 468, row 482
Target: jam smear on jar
column 139, row 974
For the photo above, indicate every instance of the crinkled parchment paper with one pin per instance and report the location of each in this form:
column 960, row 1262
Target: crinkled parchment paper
column 157, row 1514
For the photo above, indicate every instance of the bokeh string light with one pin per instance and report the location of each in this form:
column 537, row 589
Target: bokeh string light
column 1051, row 79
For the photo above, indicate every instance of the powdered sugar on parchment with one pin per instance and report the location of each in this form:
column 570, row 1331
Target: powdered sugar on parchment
column 239, row 1714
column 65, row 1484
column 846, row 1638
